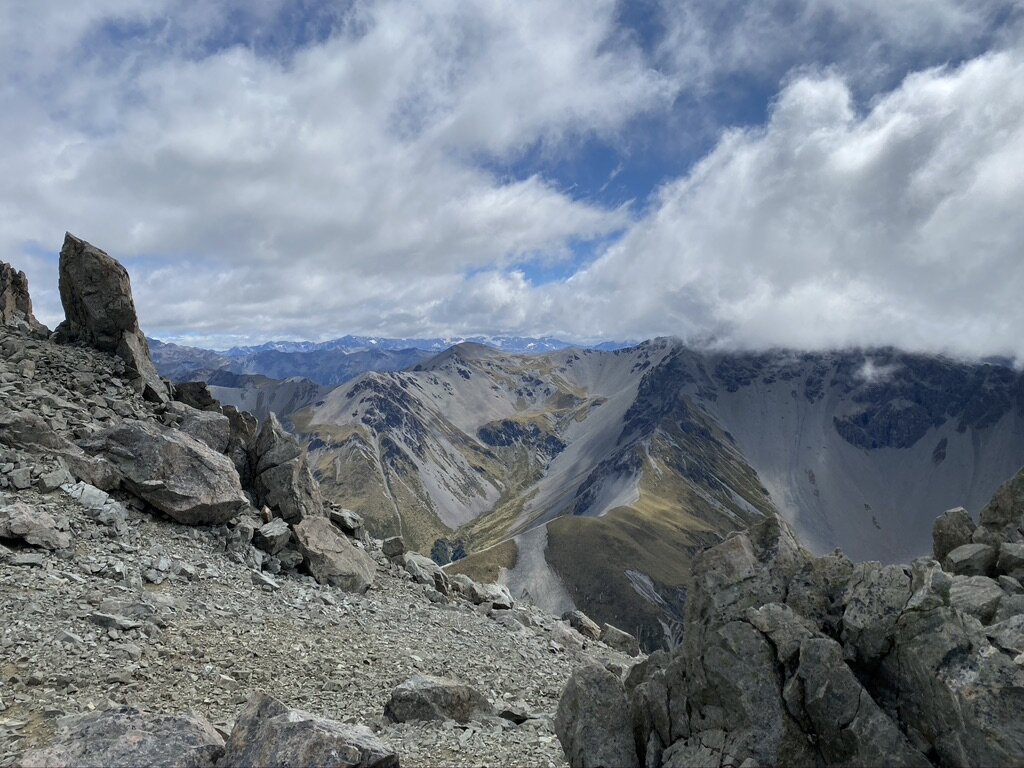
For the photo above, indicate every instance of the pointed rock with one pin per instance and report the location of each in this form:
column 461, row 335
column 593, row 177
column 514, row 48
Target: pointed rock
column 100, row 311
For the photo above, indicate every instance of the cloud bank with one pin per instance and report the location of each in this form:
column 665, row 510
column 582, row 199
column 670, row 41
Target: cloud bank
column 308, row 170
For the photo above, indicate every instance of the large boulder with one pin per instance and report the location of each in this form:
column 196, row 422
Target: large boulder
column 332, row 558
column 583, row 624
column 15, row 301
column 100, row 312
column 851, row 729
column 179, row 475
column 282, row 477
column 1004, row 512
column 972, row 560
column 33, row 526
column 952, row 529
column 592, row 723
column 423, row 697
column 126, row 737
column 619, row 640
column 874, row 599
column 270, row 735
column 425, row 571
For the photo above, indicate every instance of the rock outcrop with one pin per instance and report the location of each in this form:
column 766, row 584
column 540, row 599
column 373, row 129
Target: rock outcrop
column 16, row 303
column 792, row 659
column 100, row 312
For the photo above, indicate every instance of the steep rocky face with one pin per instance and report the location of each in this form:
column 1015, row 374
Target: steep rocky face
column 15, row 301
column 100, row 312
column 576, row 468
column 792, row 659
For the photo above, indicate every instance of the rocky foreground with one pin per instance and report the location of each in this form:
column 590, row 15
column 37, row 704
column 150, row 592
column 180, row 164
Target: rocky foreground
column 791, row 659
column 176, row 591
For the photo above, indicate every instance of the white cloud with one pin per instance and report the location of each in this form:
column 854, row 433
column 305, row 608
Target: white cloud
column 830, row 227
column 345, row 173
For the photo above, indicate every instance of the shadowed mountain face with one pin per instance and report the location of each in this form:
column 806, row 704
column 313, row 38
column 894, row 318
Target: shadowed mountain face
column 589, row 477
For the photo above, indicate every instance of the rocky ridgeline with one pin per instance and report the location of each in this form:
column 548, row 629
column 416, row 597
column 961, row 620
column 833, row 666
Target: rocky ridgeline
column 162, row 557
column 791, row 659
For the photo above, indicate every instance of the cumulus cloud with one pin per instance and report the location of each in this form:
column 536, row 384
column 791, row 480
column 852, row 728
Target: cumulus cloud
column 307, row 170
column 830, row 226
column 322, row 189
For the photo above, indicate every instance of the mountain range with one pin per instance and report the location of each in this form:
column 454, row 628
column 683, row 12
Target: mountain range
column 589, row 478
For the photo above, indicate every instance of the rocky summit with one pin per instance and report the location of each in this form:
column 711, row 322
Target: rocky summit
column 179, row 590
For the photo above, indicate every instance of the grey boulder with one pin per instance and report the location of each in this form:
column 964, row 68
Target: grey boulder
column 971, row 560
column 952, row 529
column 179, row 475
column 15, row 301
column 100, row 312
column 425, row 571
column 423, row 697
column 582, row 623
column 125, row 737
column 33, row 526
column 589, row 722
column 619, row 640
column 272, row 537
column 270, row 735
column 332, row 558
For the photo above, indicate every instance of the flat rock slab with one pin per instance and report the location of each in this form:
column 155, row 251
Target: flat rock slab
column 126, row 737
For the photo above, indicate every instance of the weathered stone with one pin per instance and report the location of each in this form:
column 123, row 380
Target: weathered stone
column 125, row 737
column 275, row 445
column 33, row 526
column 272, row 537
column 850, row 727
column 1003, row 513
column 952, row 529
column 971, row 560
column 1011, row 559
column 15, row 301
column 497, row 595
column 1008, row 634
column 208, row 427
column 582, row 623
column 978, row 596
column 959, row 694
column 290, row 490
column 425, row 571
column 196, row 394
column 332, row 558
column 393, row 547
column 99, row 311
column 423, row 697
column 270, row 735
column 347, row 520
column 174, row 472
column 619, row 640
column 874, row 598
column 591, row 723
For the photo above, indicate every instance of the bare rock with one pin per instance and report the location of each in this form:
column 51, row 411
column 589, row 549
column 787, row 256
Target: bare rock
column 978, row 596
column 272, row 537
column 177, row 474
column 393, row 547
column 100, row 311
column 33, row 526
column 952, row 529
column 283, row 480
column 592, row 723
column 197, row 395
column 15, row 301
column 582, row 623
column 332, row 558
column 423, row 697
column 1011, row 559
column 619, row 640
column 874, row 599
column 425, row 571
column 270, row 735
column 126, row 737
column 971, row 560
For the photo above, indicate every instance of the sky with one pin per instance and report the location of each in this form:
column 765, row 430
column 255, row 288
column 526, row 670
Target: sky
column 787, row 173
